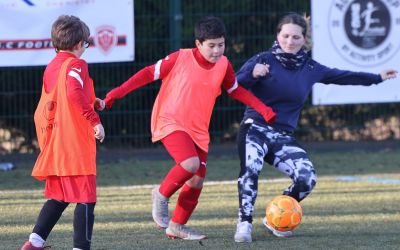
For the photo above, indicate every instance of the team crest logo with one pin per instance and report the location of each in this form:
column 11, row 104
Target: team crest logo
column 365, row 32
column 49, row 110
column 106, row 38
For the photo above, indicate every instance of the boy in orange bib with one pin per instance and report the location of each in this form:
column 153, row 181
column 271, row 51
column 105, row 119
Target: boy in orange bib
column 191, row 82
column 67, row 127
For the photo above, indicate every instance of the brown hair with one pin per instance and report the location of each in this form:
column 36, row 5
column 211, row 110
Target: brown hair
column 293, row 18
column 68, row 31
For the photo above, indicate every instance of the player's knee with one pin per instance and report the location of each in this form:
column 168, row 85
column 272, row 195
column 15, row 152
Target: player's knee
column 196, row 182
column 306, row 183
column 191, row 164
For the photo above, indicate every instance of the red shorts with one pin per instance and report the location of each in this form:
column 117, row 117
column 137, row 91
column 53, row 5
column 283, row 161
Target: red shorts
column 75, row 189
column 181, row 147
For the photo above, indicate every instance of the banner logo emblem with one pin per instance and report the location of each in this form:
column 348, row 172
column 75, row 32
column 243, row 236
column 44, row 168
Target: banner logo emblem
column 364, row 32
column 105, row 38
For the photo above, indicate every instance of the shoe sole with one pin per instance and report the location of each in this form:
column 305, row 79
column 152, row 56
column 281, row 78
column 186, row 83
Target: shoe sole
column 174, row 237
column 243, row 241
column 158, row 226
column 273, row 231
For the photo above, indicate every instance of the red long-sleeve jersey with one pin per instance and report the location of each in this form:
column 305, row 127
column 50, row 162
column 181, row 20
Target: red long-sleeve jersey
column 77, row 91
column 162, row 68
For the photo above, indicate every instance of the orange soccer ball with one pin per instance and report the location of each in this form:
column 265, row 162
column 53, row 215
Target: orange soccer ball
column 283, row 213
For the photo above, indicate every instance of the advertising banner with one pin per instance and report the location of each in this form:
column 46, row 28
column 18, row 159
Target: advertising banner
column 357, row 35
column 25, row 25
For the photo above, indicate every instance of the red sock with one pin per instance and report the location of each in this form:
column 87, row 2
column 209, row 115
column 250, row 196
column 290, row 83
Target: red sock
column 174, row 180
column 187, row 202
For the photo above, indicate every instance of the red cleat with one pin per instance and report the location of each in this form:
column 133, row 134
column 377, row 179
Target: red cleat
column 28, row 246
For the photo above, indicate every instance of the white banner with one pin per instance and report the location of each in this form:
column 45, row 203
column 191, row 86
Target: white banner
column 25, row 25
column 358, row 35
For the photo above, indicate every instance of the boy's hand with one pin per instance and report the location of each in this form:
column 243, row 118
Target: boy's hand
column 99, row 104
column 99, row 132
column 109, row 101
column 111, row 96
column 269, row 115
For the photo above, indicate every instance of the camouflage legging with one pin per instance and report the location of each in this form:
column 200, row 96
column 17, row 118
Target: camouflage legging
column 257, row 143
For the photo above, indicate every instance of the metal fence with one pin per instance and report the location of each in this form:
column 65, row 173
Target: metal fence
column 160, row 28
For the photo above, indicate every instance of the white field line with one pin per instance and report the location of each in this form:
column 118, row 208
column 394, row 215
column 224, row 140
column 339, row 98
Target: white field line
column 207, row 183
column 150, row 186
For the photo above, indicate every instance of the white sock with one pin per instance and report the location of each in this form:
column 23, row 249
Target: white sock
column 76, row 248
column 36, row 240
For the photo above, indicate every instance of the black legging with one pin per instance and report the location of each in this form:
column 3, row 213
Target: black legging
column 257, row 143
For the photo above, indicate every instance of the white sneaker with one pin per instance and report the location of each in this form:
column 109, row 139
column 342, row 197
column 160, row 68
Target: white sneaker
column 175, row 230
column 276, row 232
column 160, row 208
column 243, row 232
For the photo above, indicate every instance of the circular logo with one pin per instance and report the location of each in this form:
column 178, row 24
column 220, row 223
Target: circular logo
column 365, row 33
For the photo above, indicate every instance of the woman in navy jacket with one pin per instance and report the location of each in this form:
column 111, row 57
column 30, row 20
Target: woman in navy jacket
column 282, row 77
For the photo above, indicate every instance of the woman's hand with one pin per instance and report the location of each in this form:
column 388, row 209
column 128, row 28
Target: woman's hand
column 388, row 74
column 260, row 70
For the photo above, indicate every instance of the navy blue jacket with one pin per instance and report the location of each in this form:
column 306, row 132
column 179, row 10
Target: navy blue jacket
column 285, row 91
